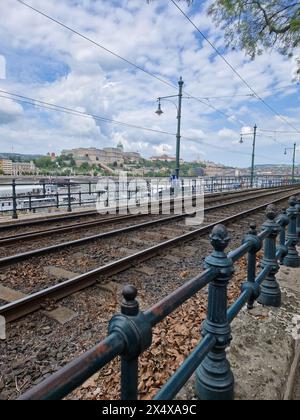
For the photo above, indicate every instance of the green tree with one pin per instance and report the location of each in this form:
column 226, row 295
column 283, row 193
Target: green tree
column 255, row 26
column 45, row 162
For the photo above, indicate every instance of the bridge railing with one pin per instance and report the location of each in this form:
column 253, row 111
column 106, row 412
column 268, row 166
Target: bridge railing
column 130, row 332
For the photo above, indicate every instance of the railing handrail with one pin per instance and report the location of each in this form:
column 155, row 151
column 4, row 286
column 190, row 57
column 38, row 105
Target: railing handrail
column 131, row 331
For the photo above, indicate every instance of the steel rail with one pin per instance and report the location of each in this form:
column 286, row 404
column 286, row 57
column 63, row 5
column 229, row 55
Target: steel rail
column 33, row 302
column 46, row 232
column 14, row 259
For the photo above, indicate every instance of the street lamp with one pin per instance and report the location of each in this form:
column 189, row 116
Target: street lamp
column 253, row 151
column 159, row 112
column 294, row 158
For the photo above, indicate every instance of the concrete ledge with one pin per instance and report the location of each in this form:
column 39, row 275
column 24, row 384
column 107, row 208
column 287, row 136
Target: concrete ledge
column 264, row 353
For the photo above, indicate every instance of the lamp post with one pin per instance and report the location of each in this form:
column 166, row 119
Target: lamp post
column 159, row 112
column 253, row 152
column 294, row 159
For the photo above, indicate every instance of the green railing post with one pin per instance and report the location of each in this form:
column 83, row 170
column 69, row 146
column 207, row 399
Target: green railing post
column 283, row 222
column 292, row 257
column 214, row 379
column 270, row 290
column 136, row 331
column 298, row 220
column 251, row 274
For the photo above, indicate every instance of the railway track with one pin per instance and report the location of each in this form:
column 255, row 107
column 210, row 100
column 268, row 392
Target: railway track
column 117, row 265
column 91, row 236
column 37, row 345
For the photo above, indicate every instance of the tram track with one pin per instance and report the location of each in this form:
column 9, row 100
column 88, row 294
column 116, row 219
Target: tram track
column 55, row 247
column 36, row 345
column 36, row 300
column 79, row 218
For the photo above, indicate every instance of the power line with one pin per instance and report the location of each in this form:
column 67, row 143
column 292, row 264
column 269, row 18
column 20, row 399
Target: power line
column 66, row 110
column 173, row 86
column 279, row 131
column 251, row 95
column 233, row 69
column 96, row 44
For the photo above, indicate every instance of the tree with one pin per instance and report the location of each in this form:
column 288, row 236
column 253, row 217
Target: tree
column 45, row 162
column 255, row 26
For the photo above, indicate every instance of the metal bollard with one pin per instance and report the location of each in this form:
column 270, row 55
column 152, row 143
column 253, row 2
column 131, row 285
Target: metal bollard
column 57, row 200
column 292, row 257
column 270, row 291
column 14, row 200
column 214, row 379
column 251, row 275
column 80, row 198
column 132, row 325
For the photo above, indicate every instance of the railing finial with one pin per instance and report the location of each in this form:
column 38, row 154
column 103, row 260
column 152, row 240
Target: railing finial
column 271, row 212
column 130, row 305
column 253, row 229
column 220, row 238
column 293, row 201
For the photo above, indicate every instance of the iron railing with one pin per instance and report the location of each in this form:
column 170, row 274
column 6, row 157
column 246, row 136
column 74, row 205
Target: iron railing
column 130, row 332
column 87, row 193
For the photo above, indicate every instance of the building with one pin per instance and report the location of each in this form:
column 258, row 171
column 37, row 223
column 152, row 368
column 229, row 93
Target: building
column 132, row 157
column 213, row 169
column 23, row 168
column 108, row 156
column 164, row 158
column 6, row 166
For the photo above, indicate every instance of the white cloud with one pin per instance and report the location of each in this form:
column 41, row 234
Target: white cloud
column 98, row 83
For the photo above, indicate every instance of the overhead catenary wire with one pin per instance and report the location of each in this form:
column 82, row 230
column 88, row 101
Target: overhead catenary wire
column 70, row 111
column 273, row 110
column 231, row 118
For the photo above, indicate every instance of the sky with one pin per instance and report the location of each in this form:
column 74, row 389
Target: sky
column 44, row 61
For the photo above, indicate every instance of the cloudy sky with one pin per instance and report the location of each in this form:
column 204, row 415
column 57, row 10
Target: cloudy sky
column 41, row 60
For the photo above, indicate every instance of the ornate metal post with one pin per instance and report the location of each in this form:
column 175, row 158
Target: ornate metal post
column 14, row 200
column 292, row 258
column 132, row 325
column 214, row 379
column 270, row 291
column 250, row 283
column 283, row 248
column 298, row 220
